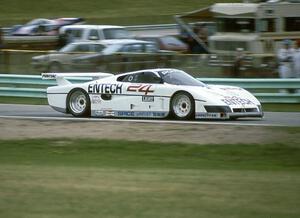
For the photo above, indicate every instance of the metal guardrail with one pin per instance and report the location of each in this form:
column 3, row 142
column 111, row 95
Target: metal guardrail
column 33, row 86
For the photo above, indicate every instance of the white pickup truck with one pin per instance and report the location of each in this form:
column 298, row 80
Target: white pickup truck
column 67, row 34
column 75, row 33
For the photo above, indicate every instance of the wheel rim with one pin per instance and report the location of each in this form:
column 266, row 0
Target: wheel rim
column 182, row 105
column 78, row 102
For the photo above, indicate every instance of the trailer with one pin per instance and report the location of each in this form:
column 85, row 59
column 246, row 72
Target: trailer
column 255, row 27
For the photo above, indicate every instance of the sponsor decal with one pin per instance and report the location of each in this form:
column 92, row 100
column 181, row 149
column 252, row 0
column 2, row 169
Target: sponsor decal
column 147, row 98
column 104, row 113
column 236, row 101
column 105, row 88
column 96, row 99
column 113, row 113
column 125, row 113
column 208, row 115
column 49, row 76
column 140, row 88
column 109, row 113
column 99, row 113
column 141, row 114
column 130, row 78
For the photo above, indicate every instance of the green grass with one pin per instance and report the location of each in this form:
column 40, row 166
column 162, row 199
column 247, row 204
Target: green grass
column 93, row 178
column 99, row 12
column 281, row 107
column 23, row 100
column 91, row 153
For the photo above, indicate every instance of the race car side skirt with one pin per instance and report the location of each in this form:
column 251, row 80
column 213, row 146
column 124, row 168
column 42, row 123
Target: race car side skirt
column 117, row 113
column 224, row 116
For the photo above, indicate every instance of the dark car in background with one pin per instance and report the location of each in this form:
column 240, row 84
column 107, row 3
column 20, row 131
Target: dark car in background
column 166, row 43
column 124, row 55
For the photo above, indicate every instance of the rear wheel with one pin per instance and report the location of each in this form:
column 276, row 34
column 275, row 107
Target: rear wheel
column 182, row 106
column 78, row 103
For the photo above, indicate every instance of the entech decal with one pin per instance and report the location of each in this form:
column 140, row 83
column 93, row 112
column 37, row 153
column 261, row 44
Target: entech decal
column 105, row 88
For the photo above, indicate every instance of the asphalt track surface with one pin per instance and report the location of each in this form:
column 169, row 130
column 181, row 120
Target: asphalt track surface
column 45, row 112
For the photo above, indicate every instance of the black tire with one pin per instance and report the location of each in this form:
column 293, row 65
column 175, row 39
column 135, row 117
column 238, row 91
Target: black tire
column 182, row 106
column 78, row 103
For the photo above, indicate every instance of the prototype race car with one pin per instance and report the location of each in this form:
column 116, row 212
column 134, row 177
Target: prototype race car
column 153, row 93
column 43, row 26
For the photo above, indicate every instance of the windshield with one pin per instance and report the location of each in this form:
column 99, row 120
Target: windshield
column 38, row 22
column 237, row 25
column 178, row 77
column 67, row 48
column 116, row 33
column 229, row 45
column 113, row 48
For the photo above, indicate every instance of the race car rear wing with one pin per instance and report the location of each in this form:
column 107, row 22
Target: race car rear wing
column 61, row 77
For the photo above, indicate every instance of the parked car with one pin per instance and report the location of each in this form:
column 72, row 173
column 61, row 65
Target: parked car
column 124, row 55
column 42, row 26
column 61, row 60
column 75, row 33
column 166, row 43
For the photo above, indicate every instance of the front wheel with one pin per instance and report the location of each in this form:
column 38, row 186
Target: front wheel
column 182, row 106
column 78, row 103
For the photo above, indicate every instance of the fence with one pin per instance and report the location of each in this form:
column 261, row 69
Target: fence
column 22, row 62
column 198, row 65
column 266, row 90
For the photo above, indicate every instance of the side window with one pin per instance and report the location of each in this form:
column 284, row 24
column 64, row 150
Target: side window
column 138, row 48
column 143, row 77
column 94, row 35
column 128, row 78
column 292, row 24
column 83, row 48
column 76, row 33
column 150, row 48
column 267, row 25
column 126, row 48
column 73, row 48
column 116, row 33
column 148, row 77
column 97, row 47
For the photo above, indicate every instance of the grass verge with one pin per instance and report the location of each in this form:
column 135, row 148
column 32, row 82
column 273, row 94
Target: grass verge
column 281, row 107
column 23, row 100
column 99, row 12
column 109, row 178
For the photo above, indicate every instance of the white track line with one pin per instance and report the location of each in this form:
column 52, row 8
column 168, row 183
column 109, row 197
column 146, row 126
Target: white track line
column 138, row 121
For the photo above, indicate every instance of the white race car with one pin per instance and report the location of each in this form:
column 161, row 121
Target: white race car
column 152, row 93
